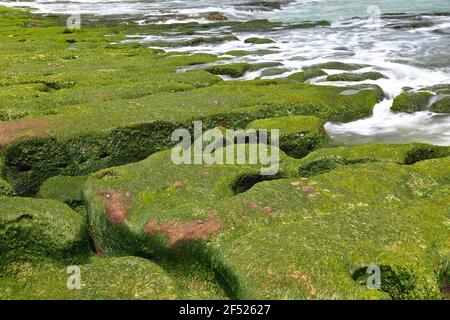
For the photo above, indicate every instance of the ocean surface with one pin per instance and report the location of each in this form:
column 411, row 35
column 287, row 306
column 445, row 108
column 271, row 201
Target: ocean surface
column 360, row 32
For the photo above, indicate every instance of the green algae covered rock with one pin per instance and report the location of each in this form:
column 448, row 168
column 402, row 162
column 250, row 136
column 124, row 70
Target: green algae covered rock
column 411, row 25
column 356, row 76
column 93, row 137
column 439, row 89
column 309, row 24
column 237, row 53
column 273, row 72
column 442, row 105
column 307, row 75
column 39, row 231
column 317, row 258
column 355, row 89
column 299, row 135
column 255, row 40
column 2, row 167
column 65, row 109
column 263, row 65
column 125, row 278
column 394, row 217
column 234, row 70
column 113, row 195
column 63, row 188
column 411, row 102
column 330, row 158
column 336, row 65
column 5, row 188
column 254, row 25
column 192, row 42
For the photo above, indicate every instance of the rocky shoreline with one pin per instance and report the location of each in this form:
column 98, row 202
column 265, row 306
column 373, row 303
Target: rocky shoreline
column 86, row 177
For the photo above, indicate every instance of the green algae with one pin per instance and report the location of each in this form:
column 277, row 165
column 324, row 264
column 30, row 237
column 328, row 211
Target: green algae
column 327, row 159
column 192, row 42
column 298, row 135
column 91, row 138
column 309, row 232
column 442, row 105
column 411, row 102
column 336, row 65
column 5, row 188
column 234, row 70
column 64, row 189
column 314, row 257
column 355, row 76
column 237, row 53
column 40, row 231
column 270, row 72
column 307, row 75
column 255, row 40
column 125, row 278
column 75, row 104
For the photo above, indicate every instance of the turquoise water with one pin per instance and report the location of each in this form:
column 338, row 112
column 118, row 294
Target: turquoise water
column 334, row 10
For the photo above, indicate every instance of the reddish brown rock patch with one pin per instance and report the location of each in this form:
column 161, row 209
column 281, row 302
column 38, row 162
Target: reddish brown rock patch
column 118, row 204
column 102, row 96
column 179, row 232
column 12, row 131
column 446, row 290
column 212, row 213
column 178, row 184
column 308, row 189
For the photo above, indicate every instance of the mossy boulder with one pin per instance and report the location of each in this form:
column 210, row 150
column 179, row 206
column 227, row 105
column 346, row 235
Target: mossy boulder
column 327, row 159
column 101, row 135
column 40, row 231
column 110, row 278
column 314, row 257
column 66, row 189
column 110, row 207
column 237, row 53
column 75, row 130
column 336, row 65
column 442, row 105
column 270, row 72
column 309, row 24
column 234, row 70
column 299, row 135
column 264, row 65
column 355, row 76
column 411, row 101
column 5, row 188
column 261, row 5
column 255, row 40
column 192, row 42
column 356, row 89
column 411, row 25
column 2, row 167
column 254, row 25
column 214, row 16
column 440, row 89
column 307, row 75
